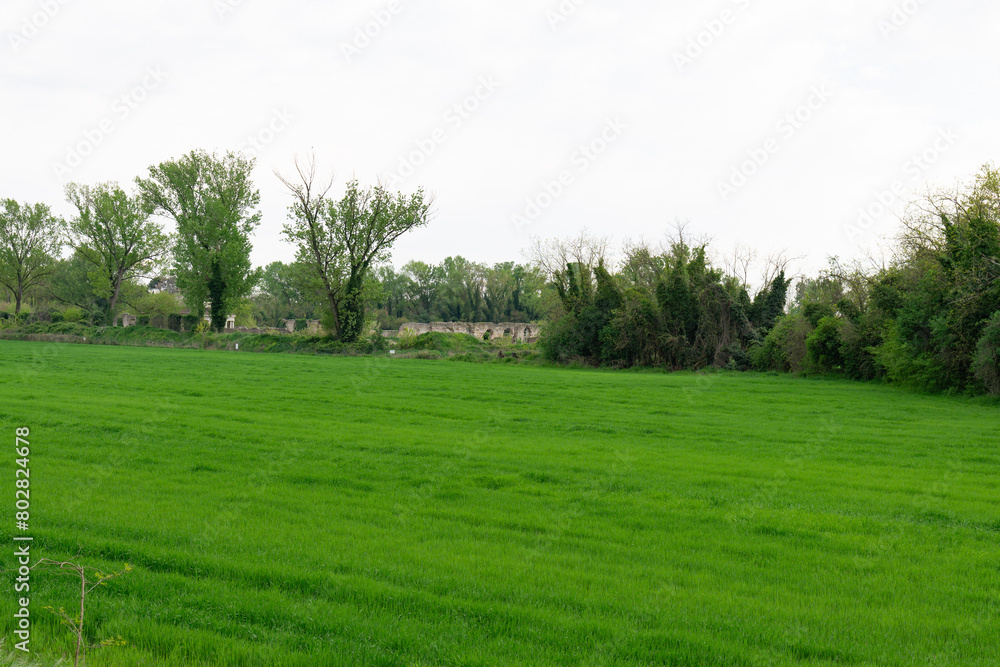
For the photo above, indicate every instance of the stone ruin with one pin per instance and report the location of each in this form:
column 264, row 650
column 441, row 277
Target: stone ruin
column 523, row 333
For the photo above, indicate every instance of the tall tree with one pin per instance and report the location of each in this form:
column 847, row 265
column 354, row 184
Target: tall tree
column 213, row 201
column 114, row 233
column 30, row 241
column 343, row 239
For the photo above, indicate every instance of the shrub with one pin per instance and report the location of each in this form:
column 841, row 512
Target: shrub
column 190, row 322
column 72, row 315
column 784, row 348
column 301, row 325
column 174, row 322
column 564, row 340
column 823, row 344
column 57, row 317
column 97, row 319
column 814, row 312
column 377, row 342
column 986, row 363
column 143, row 320
column 407, row 339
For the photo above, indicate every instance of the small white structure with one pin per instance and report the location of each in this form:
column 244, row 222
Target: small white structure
column 230, row 322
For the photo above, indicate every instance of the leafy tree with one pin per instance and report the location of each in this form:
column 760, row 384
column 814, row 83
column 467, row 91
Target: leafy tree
column 987, row 360
column 30, row 242
column 422, row 288
column 113, row 232
column 70, row 285
column 284, row 293
column 461, row 291
column 823, row 344
column 342, row 240
column 159, row 305
column 213, row 202
column 769, row 304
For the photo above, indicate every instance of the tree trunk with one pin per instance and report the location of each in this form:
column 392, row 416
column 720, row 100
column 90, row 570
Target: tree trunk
column 336, row 313
column 114, row 296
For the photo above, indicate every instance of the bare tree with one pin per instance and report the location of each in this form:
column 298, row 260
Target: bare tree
column 740, row 263
column 552, row 255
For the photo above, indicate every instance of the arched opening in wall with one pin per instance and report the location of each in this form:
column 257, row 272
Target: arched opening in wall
column 488, row 334
column 527, row 333
column 507, row 333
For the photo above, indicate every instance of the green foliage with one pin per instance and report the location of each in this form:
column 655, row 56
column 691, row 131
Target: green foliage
column 301, row 325
column 814, row 312
column 377, row 343
column 142, row 320
column 30, row 240
column 72, row 315
column 212, row 200
column 191, row 322
column 286, row 293
column 114, row 234
column 784, row 348
column 407, row 338
column 217, row 297
column 175, row 322
column 769, row 305
column 987, row 360
column 340, row 241
column 160, row 304
column 691, row 318
column 823, row 345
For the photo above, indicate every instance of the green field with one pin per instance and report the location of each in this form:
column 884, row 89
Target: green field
column 302, row 510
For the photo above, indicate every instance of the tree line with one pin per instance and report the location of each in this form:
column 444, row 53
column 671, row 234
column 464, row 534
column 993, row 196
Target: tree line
column 117, row 239
column 928, row 315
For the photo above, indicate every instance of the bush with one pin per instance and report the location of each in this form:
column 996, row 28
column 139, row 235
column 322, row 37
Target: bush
column 174, row 322
column 564, row 340
column 784, row 348
column 377, row 342
column 407, row 338
column 72, row 315
column 814, row 312
column 301, row 325
column 57, row 317
column 143, row 321
column 97, row 319
column 986, row 363
column 190, row 322
column 823, row 344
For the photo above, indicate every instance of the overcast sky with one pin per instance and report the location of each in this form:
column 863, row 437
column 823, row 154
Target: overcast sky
column 769, row 123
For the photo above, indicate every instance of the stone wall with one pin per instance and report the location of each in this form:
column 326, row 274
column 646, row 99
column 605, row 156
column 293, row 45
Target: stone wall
column 526, row 333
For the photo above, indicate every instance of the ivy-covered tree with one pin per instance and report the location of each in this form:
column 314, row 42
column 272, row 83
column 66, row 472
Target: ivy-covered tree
column 213, row 201
column 342, row 240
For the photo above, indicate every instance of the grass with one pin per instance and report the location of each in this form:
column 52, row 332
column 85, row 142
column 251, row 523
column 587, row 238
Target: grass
column 304, row 510
column 435, row 345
